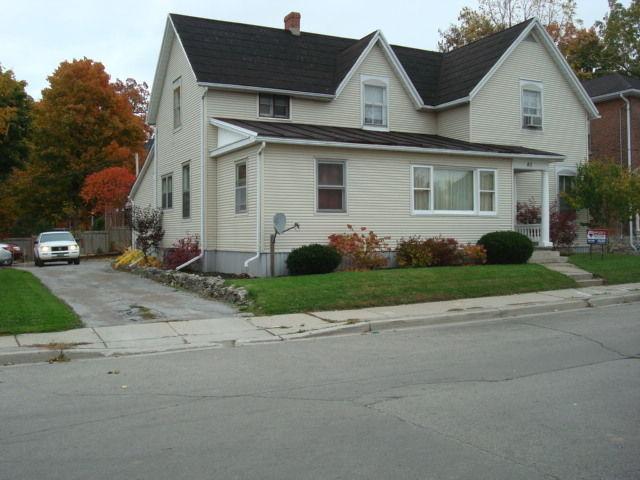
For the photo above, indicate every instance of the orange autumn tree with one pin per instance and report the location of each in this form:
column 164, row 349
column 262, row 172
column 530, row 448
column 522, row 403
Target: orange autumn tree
column 107, row 189
column 85, row 123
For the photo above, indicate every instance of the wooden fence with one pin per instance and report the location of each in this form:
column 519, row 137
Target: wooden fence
column 92, row 242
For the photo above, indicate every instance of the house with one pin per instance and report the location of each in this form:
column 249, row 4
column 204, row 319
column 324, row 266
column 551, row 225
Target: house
column 252, row 121
column 616, row 134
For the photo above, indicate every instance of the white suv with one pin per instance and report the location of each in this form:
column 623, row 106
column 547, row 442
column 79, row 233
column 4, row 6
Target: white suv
column 56, row 247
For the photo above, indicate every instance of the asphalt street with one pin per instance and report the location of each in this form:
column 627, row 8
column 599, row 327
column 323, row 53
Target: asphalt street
column 545, row 397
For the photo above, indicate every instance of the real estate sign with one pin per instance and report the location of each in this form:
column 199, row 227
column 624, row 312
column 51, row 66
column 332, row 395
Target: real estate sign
column 597, row 236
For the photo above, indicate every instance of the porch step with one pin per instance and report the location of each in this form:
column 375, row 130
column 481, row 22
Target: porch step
column 547, row 256
column 594, row 282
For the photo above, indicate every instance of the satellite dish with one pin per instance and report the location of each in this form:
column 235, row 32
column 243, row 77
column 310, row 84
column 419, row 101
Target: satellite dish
column 280, row 222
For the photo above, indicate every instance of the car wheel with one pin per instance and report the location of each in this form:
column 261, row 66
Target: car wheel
column 37, row 262
column 76, row 261
column 69, row 262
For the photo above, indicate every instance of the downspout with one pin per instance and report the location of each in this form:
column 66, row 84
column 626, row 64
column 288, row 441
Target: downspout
column 258, row 206
column 203, row 183
column 626, row 100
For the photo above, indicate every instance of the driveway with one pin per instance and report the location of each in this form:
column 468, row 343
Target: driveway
column 103, row 296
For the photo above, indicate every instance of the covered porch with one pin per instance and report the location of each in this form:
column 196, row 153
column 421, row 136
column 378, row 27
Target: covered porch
column 539, row 189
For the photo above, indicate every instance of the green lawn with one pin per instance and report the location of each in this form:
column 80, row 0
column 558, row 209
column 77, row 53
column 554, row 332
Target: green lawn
column 346, row 290
column 613, row 268
column 27, row 306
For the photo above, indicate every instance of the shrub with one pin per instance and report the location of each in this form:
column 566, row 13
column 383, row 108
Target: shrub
column 311, row 259
column 444, row 251
column 147, row 223
column 528, row 213
column 562, row 227
column 473, row 255
column 413, row 252
column 507, row 247
column 181, row 251
column 363, row 251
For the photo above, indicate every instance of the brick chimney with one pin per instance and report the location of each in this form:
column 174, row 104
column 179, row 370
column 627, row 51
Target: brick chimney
column 292, row 23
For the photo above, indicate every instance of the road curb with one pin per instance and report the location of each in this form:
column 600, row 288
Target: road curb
column 468, row 316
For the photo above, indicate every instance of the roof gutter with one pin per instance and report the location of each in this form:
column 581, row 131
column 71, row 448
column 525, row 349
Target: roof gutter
column 628, row 108
column 631, row 92
column 258, row 205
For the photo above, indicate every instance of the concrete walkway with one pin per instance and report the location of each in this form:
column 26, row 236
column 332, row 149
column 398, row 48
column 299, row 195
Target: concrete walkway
column 231, row 331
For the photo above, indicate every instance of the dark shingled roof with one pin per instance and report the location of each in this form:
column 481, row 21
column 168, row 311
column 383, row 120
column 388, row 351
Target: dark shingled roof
column 300, row 131
column 239, row 54
column 612, row 83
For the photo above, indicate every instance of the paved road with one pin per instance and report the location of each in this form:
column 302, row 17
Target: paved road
column 548, row 397
column 103, row 296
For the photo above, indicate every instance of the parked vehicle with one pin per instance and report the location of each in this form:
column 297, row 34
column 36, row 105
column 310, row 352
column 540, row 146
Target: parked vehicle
column 56, row 247
column 6, row 257
column 15, row 250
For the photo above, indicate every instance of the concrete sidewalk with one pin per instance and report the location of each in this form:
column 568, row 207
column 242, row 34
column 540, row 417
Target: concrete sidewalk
column 231, row 331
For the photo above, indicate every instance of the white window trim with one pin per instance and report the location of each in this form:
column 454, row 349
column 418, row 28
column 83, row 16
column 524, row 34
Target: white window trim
column 476, row 192
column 236, row 187
column 345, row 176
column 280, row 119
column 377, row 81
column 177, row 83
column 185, row 164
column 533, row 85
column 162, row 179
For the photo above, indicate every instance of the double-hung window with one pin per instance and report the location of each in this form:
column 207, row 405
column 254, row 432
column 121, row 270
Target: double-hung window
column 565, row 186
column 446, row 190
column 274, row 106
column 375, row 103
column 167, row 191
column 177, row 104
column 241, row 187
column 186, row 190
column 531, row 105
column 331, row 186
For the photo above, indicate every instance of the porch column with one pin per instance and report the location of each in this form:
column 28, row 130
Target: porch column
column 544, row 223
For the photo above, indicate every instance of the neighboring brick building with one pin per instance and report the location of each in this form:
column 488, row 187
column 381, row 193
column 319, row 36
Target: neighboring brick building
column 608, row 134
column 618, row 100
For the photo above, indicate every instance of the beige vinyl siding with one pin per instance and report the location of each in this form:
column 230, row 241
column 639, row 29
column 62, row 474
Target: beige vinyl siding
column 179, row 146
column 235, row 231
column 144, row 194
column 344, row 111
column 454, row 123
column 496, row 112
column 378, row 195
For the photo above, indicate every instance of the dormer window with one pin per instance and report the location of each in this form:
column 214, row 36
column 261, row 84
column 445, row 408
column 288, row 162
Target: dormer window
column 375, row 102
column 531, row 105
column 274, row 106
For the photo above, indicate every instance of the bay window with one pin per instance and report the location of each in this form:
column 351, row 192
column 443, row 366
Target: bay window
column 443, row 190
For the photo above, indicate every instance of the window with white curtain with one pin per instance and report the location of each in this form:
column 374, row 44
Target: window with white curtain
column 375, row 103
column 487, row 188
column 453, row 190
column 532, row 105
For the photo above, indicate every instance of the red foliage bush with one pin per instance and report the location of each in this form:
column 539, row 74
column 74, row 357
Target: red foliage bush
column 562, row 227
column 528, row 213
column 362, row 250
column 444, row 251
column 181, row 251
column 473, row 254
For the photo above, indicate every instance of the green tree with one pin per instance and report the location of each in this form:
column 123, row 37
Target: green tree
column 15, row 122
column 608, row 190
column 620, row 34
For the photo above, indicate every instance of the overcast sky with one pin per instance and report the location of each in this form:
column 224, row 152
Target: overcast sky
column 36, row 35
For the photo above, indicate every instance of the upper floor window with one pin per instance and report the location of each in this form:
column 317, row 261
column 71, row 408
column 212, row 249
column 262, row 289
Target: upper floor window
column 241, row 187
column 274, row 106
column 531, row 105
column 177, row 104
column 186, row 190
column 375, row 104
column 167, row 191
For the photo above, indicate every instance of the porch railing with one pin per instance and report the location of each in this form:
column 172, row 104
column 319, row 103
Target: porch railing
column 531, row 230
